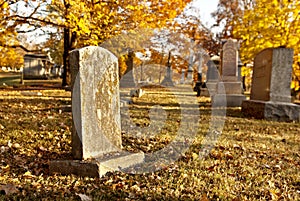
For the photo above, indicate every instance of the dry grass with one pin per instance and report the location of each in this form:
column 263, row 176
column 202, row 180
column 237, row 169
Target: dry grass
column 252, row 159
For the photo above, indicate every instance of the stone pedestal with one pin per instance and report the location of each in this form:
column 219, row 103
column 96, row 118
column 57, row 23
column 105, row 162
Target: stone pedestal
column 96, row 132
column 212, row 75
column 127, row 80
column 212, row 87
column 233, row 94
column 96, row 168
column 167, row 81
column 230, row 87
column 270, row 93
column 232, row 100
column 276, row 111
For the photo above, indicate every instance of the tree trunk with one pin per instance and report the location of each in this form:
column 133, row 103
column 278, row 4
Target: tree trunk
column 66, row 69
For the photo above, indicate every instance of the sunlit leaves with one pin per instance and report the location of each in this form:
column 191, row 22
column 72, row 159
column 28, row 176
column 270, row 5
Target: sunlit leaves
column 10, row 57
column 267, row 24
column 97, row 21
column 93, row 22
column 253, row 159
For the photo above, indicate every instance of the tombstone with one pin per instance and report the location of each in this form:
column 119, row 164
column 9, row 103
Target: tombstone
column 167, row 81
column 182, row 76
column 200, row 85
column 96, row 133
column 271, row 93
column 127, row 80
column 229, row 75
column 189, row 77
column 212, row 75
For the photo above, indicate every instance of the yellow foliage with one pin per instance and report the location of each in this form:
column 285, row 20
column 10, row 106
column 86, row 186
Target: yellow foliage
column 8, row 56
column 95, row 22
column 270, row 23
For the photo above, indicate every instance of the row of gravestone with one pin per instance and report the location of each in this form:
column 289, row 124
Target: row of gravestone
column 96, row 134
column 270, row 92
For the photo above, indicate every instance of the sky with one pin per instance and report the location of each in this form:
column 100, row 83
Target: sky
column 206, row 7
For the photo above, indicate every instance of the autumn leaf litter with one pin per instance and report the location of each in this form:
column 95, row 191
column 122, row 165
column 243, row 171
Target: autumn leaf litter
column 252, row 160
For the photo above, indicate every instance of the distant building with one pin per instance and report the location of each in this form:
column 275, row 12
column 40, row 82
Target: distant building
column 36, row 66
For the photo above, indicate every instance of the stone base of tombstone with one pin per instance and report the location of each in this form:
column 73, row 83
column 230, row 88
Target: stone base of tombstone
column 231, row 87
column 233, row 94
column 212, row 88
column 96, row 167
column 276, row 111
column 136, row 93
column 228, row 100
column 167, row 82
column 127, row 80
column 204, row 92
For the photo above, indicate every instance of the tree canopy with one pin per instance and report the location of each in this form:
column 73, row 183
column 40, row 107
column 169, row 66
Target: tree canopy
column 269, row 24
column 262, row 24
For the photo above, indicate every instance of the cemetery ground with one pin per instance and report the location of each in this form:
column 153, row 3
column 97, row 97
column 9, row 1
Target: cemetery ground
column 252, row 160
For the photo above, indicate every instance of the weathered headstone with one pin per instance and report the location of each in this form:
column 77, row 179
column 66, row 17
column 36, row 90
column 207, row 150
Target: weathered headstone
column 229, row 73
column 270, row 92
column 167, row 81
column 190, row 70
column 127, row 80
column 200, row 84
column 96, row 133
column 182, row 76
column 212, row 75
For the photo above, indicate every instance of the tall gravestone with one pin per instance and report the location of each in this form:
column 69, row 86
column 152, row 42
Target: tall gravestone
column 96, row 133
column 212, row 75
column 270, row 92
column 190, row 70
column 229, row 74
column 182, row 79
column 127, row 80
column 167, row 81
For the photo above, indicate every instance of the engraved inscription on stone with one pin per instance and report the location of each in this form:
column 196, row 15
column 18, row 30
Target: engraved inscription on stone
column 260, row 89
column 272, row 75
column 261, row 68
column 229, row 62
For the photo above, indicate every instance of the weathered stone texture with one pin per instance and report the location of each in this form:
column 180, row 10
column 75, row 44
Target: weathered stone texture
column 95, row 102
column 270, row 93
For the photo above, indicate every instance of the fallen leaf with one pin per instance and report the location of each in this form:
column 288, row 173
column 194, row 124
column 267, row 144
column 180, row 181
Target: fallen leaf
column 84, row 197
column 28, row 175
column 5, row 168
column 16, row 145
column 204, row 197
column 195, row 156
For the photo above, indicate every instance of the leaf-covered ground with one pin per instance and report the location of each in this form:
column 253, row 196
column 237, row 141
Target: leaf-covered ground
column 252, row 160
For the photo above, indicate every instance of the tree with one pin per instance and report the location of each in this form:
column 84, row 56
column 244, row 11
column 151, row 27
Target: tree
column 54, row 47
column 10, row 57
column 189, row 24
column 15, row 21
column 7, row 38
column 268, row 24
column 92, row 22
column 228, row 14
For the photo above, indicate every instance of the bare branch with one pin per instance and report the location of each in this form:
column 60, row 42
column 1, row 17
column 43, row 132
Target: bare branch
column 19, row 46
column 24, row 19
